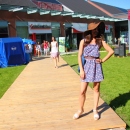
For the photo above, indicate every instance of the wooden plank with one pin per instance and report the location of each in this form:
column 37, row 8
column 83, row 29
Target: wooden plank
column 43, row 97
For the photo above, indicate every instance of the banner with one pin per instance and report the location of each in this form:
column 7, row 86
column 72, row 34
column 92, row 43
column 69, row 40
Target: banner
column 61, row 44
column 48, row 5
column 107, row 28
column 39, row 27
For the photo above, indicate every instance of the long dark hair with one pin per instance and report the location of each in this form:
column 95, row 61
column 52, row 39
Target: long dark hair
column 54, row 38
column 99, row 38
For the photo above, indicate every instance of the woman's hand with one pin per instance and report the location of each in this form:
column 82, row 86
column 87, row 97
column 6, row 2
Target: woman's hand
column 99, row 60
column 80, row 53
column 82, row 74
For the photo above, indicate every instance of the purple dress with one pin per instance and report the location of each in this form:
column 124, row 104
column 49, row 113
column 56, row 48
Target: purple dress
column 93, row 70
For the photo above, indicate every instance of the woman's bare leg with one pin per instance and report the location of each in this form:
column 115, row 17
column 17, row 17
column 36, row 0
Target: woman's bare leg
column 82, row 98
column 46, row 52
column 55, row 62
column 82, row 95
column 38, row 53
column 96, row 87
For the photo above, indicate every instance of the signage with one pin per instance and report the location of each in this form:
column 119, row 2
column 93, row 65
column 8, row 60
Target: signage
column 107, row 28
column 39, row 27
column 13, row 48
column 48, row 5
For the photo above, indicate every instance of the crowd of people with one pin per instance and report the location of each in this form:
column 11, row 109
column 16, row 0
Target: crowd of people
column 36, row 50
column 45, row 48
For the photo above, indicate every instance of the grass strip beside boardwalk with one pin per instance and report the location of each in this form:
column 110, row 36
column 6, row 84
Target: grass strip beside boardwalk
column 115, row 89
column 8, row 76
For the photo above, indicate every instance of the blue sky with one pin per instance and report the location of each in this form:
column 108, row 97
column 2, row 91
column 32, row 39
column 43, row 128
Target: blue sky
column 118, row 3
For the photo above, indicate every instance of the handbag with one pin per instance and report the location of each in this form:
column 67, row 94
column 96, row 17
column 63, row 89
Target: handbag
column 83, row 63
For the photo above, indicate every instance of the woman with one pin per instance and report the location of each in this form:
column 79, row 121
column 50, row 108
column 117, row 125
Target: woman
column 54, row 51
column 27, row 53
column 38, row 48
column 45, row 46
column 92, row 70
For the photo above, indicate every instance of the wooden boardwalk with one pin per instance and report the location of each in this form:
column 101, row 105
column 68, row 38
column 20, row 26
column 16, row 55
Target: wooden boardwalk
column 45, row 98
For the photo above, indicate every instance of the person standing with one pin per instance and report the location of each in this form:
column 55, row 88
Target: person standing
column 45, row 45
column 91, row 71
column 48, row 46
column 27, row 56
column 38, row 48
column 30, row 50
column 54, row 51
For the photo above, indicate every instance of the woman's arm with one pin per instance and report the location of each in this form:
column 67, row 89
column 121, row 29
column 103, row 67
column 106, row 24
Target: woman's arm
column 57, row 46
column 109, row 50
column 81, row 47
column 50, row 45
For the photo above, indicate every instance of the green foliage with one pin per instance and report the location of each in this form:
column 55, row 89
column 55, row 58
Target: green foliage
column 115, row 89
column 7, row 77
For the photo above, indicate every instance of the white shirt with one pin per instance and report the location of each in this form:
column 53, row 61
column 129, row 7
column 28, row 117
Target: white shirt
column 30, row 48
column 54, row 48
column 38, row 47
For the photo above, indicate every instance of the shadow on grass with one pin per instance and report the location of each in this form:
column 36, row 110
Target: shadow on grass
column 127, row 128
column 121, row 100
column 73, row 65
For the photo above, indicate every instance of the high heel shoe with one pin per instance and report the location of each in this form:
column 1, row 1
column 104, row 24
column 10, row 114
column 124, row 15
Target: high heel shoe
column 96, row 115
column 77, row 114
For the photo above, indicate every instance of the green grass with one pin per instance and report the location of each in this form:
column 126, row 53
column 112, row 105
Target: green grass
column 115, row 89
column 7, row 77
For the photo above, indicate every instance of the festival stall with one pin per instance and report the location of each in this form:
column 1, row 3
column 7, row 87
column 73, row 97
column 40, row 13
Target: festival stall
column 12, row 52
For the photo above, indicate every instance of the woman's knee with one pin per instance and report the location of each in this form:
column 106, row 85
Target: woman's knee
column 96, row 90
column 82, row 93
column 96, row 87
column 83, row 88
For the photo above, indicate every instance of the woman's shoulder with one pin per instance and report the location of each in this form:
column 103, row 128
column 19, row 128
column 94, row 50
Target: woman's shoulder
column 54, row 42
column 82, row 41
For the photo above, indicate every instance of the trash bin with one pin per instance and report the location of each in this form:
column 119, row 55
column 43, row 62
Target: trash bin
column 116, row 51
column 122, row 49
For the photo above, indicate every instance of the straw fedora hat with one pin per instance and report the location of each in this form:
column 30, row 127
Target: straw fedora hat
column 93, row 25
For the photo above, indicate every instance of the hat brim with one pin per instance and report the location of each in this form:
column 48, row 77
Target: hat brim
column 101, row 28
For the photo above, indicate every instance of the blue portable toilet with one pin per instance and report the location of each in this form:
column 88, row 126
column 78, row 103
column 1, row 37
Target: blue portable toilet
column 12, row 52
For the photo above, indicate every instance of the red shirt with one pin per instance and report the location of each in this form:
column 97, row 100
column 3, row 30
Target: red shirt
column 45, row 45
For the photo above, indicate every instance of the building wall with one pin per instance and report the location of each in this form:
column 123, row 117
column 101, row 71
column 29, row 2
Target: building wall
column 14, row 17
